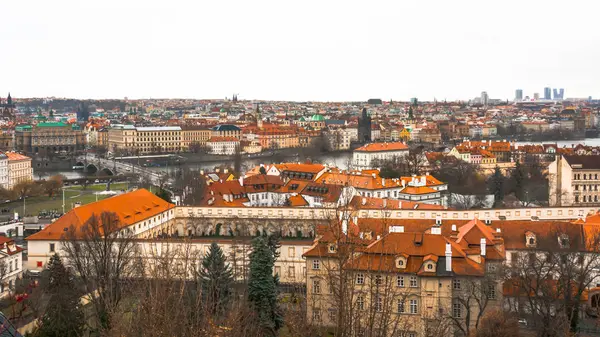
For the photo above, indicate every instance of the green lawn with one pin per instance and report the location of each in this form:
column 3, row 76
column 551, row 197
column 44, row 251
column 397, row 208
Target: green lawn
column 100, row 187
column 34, row 205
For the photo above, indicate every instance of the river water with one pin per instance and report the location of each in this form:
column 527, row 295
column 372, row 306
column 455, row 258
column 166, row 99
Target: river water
column 339, row 159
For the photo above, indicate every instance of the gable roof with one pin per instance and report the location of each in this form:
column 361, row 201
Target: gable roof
column 382, row 147
column 130, row 207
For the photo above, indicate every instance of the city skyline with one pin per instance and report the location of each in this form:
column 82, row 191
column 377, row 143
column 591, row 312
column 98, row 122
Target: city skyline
column 337, row 51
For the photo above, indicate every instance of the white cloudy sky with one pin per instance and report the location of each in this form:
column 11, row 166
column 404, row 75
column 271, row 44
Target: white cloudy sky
column 298, row 50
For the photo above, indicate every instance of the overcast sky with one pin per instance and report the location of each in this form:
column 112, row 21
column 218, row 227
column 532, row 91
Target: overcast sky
column 298, row 50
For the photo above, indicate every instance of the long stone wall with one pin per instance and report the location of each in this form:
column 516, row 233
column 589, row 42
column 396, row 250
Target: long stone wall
column 236, row 214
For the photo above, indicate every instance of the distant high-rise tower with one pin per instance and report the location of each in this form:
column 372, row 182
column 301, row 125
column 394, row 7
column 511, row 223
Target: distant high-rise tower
column 484, row 98
column 519, row 95
column 559, row 94
column 536, row 96
column 547, row 93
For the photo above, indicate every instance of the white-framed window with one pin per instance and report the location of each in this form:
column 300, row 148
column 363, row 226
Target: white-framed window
column 379, row 303
column 360, row 302
column 316, row 264
column 414, row 306
column 413, row 282
column 492, row 292
column 401, row 309
column 400, row 281
column 456, row 310
column 316, row 286
column 360, row 278
column 317, row 315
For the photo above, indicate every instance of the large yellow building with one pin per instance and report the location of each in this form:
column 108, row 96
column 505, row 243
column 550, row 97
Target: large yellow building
column 143, row 140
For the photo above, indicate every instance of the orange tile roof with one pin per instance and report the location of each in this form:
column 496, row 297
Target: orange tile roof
column 390, row 204
column 130, row 207
column 297, row 201
column 417, row 190
column 16, row 156
column 223, row 139
column 382, row 147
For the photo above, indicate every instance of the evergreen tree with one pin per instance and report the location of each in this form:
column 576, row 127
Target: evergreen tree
column 497, row 186
column 262, row 288
column 64, row 316
column 274, row 243
column 216, row 279
column 164, row 195
column 410, row 113
column 518, row 180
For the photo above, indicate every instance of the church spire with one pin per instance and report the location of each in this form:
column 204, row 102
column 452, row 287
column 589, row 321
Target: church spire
column 9, row 99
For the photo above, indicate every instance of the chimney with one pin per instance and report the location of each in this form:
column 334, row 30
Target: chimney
column 226, row 170
column 242, row 181
column 201, row 172
column 448, row 257
column 355, row 220
column 345, row 226
column 399, row 204
column 374, row 175
column 364, row 201
column 482, row 247
column 384, row 203
column 382, row 181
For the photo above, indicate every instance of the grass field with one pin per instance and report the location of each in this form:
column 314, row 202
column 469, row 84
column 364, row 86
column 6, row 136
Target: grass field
column 73, row 194
column 100, row 187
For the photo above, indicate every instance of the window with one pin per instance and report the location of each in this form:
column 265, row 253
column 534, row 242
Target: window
column 292, row 272
column 400, row 281
column 456, row 284
column 430, row 266
column 492, row 291
column 456, row 310
column 400, row 306
column 316, row 264
column 332, row 248
column 317, row 315
column 414, row 307
column 332, row 315
column 413, row 281
column 360, row 302
column 52, row 247
column 360, row 278
column 316, row 287
column 576, row 198
column 277, row 270
column 378, row 280
column 379, row 303
column 292, row 251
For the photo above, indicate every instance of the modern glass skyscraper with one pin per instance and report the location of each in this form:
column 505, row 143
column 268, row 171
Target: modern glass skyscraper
column 547, row 93
column 559, row 94
column 519, row 95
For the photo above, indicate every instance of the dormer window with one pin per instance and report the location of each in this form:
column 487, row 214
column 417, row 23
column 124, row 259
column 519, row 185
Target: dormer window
column 401, row 262
column 530, row 239
column 563, row 241
column 332, row 248
column 430, row 267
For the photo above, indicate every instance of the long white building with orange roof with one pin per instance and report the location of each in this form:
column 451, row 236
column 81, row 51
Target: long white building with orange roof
column 363, row 157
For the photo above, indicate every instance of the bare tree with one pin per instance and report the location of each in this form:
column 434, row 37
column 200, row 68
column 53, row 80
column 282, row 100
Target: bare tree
column 103, row 254
column 547, row 284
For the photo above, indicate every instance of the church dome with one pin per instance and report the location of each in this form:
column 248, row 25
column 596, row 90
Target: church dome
column 317, row 118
